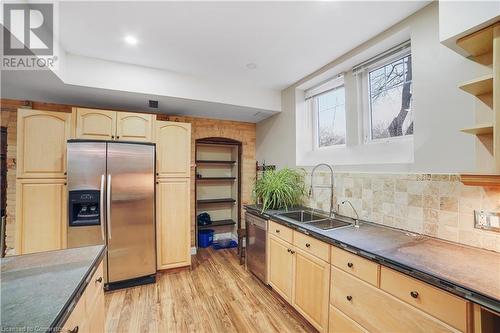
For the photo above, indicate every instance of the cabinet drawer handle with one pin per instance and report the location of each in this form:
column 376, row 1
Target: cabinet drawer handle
column 308, row 245
column 289, row 250
column 99, row 280
column 350, row 264
column 112, row 137
column 349, row 298
column 292, row 252
column 74, row 330
column 414, row 294
column 117, row 136
column 277, row 231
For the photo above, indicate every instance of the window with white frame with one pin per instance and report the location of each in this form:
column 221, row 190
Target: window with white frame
column 387, row 80
column 328, row 110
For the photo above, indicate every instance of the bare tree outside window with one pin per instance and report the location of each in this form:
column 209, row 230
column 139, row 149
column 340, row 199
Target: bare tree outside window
column 390, row 99
column 331, row 117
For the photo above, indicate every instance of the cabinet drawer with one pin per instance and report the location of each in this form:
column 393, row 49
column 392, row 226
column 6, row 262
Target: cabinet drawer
column 312, row 245
column 438, row 303
column 281, row 231
column 340, row 323
column 94, row 288
column 362, row 268
column 376, row 310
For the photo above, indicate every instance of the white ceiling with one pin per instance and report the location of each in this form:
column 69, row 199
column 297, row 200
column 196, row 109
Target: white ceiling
column 215, row 40
column 45, row 86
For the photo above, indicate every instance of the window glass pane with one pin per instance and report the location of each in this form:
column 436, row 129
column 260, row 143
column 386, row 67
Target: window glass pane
column 390, row 99
column 331, row 117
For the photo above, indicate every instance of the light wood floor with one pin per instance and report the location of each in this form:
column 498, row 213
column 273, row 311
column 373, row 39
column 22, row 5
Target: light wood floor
column 215, row 295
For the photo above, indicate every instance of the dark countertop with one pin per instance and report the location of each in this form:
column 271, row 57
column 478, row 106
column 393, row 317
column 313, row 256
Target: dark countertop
column 39, row 290
column 466, row 271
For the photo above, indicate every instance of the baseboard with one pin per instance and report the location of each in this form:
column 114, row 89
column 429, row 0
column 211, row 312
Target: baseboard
column 193, row 250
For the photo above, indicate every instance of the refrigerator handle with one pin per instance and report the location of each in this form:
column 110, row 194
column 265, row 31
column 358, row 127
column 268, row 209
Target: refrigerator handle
column 108, row 205
column 101, row 204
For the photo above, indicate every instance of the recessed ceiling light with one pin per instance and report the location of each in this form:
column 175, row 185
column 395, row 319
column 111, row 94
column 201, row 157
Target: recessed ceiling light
column 130, row 40
column 251, row 65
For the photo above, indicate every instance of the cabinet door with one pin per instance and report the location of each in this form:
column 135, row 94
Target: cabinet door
column 134, row 126
column 173, row 149
column 41, row 215
column 77, row 321
column 173, row 223
column 96, row 320
column 311, row 289
column 95, row 124
column 41, row 143
column 281, row 267
column 94, row 295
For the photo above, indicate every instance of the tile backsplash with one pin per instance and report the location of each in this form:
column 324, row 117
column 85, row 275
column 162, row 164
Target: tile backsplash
column 437, row 205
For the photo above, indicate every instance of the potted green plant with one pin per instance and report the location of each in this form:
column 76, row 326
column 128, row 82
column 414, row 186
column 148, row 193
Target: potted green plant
column 280, row 189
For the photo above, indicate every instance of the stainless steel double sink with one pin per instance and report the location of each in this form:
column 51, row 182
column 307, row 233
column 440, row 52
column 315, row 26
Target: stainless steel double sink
column 314, row 219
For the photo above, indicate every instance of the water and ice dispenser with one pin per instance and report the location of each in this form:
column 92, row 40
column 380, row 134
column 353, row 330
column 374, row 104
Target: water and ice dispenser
column 84, row 208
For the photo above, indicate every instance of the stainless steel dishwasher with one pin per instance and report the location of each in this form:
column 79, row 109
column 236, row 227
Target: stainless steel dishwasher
column 256, row 249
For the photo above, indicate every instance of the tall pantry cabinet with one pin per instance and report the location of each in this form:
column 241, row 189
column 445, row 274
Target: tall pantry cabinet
column 173, row 194
column 41, row 180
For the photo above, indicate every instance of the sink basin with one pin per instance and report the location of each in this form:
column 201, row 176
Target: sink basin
column 329, row 224
column 303, row 216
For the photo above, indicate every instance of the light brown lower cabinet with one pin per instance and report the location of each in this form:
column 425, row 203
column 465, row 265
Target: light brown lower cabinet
column 340, row 323
column 377, row 311
column 281, row 267
column 448, row 308
column 301, row 279
column 311, row 288
column 354, row 294
column 88, row 313
column 485, row 321
column 173, row 234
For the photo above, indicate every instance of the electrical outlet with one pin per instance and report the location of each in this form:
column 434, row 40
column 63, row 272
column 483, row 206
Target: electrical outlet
column 487, row 220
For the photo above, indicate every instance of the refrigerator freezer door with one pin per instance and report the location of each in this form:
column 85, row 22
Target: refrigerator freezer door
column 86, row 165
column 131, row 226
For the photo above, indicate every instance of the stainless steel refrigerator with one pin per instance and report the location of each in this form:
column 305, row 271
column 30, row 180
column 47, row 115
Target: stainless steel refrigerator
column 111, row 196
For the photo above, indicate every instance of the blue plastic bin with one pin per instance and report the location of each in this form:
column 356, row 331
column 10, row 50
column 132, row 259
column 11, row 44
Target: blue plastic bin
column 205, row 237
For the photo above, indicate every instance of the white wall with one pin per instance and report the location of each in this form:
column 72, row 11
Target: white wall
column 275, row 136
column 440, row 108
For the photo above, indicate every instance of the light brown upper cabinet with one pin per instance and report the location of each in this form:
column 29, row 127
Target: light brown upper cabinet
column 40, row 215
column 134, row 126
column 41, row 143
column 173, row 232
column 173, row 149
column 113, row 125
column 95, row 124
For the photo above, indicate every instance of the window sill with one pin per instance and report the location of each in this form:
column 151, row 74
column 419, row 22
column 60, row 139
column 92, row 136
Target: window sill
column 389, row 140
column 398, row 151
